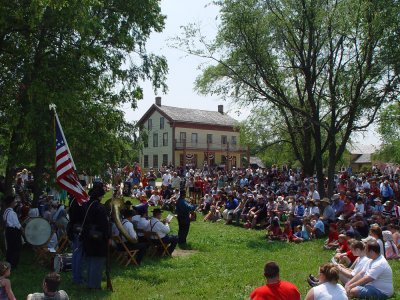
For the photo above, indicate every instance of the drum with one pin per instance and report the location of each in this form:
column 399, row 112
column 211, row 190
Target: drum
column 37, row 231
column 62, row 262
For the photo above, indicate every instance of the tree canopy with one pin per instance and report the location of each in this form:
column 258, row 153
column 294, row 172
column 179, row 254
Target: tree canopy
column 87, row 57
column 324, row 67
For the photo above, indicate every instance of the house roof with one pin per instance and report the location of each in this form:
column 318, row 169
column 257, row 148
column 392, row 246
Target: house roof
column 357, row 148
column 256, row 161
column 190, row 115
column 363, row 159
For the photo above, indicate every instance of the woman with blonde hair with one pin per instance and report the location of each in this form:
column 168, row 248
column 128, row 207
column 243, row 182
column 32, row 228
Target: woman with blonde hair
column 328, row 288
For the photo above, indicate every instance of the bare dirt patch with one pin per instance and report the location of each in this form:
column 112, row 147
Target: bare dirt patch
column 181, row 252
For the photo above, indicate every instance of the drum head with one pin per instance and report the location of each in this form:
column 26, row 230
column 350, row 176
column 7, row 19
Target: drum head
column 37, row 231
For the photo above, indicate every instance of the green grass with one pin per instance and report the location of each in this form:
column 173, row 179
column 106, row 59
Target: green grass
column 228, row 265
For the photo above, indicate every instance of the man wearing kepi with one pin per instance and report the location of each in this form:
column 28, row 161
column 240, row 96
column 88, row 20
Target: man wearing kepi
column 183, row 209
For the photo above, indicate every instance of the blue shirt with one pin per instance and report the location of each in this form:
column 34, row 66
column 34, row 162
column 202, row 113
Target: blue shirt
column 231, row 204
column 183, row 208
column 320, row 225
column 299, row 211
column 338, row 206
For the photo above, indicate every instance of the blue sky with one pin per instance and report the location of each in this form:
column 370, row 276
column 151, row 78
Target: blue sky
column 183, row 69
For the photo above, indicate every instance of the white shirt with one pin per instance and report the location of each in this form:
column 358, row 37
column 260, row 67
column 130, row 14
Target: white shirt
column 129, row 228
column 155, row 225
column 380, row 270
column 154, row 199
column 314, row 195
column 11, row 219
column 166, row 179
column 135, row 220
column 329, row 291
column 142, row 225
column 360, row 264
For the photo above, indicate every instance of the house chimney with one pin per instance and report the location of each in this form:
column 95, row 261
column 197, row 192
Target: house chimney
column 221, row 109
column 158, row 101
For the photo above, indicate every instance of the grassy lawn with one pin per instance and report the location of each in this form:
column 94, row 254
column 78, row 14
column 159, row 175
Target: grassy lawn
column 227, row 264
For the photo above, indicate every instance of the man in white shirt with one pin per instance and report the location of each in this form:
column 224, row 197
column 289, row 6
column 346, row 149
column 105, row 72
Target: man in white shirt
column 128, row 226
column 162, row 228
column 313, row 193
column 142, row 225
column 166, row 178
column 376, row 280
column 175, row 181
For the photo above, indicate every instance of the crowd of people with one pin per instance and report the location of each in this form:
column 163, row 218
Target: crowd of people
column 362, row 213
column 286, row 204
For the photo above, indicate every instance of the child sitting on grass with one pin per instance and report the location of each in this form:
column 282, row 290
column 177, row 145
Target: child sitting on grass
column 298, row 235
column 274, row 231
column 343, row 253
column 332, row 241
column 213, row 215
column 287, row 232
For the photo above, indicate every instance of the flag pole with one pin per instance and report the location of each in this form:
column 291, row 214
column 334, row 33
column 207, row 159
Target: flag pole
column 53, row 107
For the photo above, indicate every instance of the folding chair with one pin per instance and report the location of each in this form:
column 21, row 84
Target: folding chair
column 157, row 243
column 125, row 255
column 45, row 256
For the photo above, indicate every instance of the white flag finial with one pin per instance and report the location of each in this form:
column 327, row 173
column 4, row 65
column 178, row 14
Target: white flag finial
column 52, row 106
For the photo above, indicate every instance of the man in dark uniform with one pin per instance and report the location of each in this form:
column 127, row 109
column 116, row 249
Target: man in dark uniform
column 183, row 209
column 95, row 236
column 76, row 214
column 13, row 232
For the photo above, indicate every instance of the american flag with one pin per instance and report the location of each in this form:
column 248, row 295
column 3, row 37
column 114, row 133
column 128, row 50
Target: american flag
column 65, row 168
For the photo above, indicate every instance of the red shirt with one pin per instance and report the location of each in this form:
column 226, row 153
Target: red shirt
column 282, row 290
column 333, row 236
column 348, row 208
column 351, row 256
column 344, row 247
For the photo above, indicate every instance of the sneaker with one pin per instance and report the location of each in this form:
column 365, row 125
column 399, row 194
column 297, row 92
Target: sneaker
column 311, row 283
column 312, row 277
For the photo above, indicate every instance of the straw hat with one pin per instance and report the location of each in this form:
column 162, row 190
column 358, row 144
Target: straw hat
column 326, row 200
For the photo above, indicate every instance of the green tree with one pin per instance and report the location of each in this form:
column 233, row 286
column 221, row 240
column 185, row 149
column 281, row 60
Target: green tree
column 325, row 65
column 86, row 57
column 389, row 129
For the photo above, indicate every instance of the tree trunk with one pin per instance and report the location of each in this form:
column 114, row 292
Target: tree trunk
column 318, row 161
column 11, row 161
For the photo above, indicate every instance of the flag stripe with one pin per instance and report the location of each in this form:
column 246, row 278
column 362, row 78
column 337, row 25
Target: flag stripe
column 65, row 169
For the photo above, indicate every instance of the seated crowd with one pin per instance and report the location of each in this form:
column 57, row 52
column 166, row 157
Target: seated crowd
column 360, row 221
